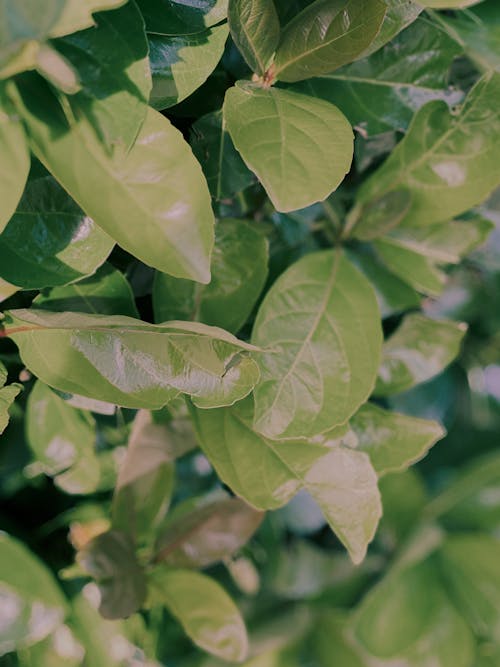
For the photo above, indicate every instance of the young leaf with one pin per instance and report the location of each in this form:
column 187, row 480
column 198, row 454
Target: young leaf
column 171, row 207
column 341, row 480
column 455, row 167
column 239, row 271
column 201, row 532
column 14, row 159
column 300, row 147
column 326, row 35
column 255, row 30
column 206, row 612
column 391, row 440
column 110, row 558
column 107, row 292
column 320, row 327
column 111, row 63
column 383, row 92
column 181, row 64
column 131, row 363
column 181, row 17
column 49, row 239
column 29, row 591
column 420, row 349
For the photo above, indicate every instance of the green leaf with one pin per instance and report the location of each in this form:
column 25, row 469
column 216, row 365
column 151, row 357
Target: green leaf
column 169, row 207
column 383, row 92
column 470, row 567
column 206, row 612
column 202, row 531
column 239, row 271
column 455, row 167
column 131, row 363
column 111, row 63
column 110, row 558
column 14, row 159
column 107, row 292
column 299, row 147
column 393, row 441
column 225, row 171
column 330, row 644
column 326, row 35
column 49, row 239
column 340, row 479
column 320, row 327
column 34, row 602
column 448, row 4
column 181, row 17
column 255, row 30
column 181, row 64
column 59, row 649
column 145, row 479
column 418, row 350
column 7, row 397
column 399, row 15
column 381, row 215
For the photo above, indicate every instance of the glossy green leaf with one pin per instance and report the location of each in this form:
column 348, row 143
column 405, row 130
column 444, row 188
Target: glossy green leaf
column 383, row 92
column 206, row 612
column 255, row 30
column 49, row 239
column 181, row 64
column 454, row 167
column 110, row 558
column 340, row 479
column 157, row 188
column 14, row 159
column 399, row 15
column 326, row 35
column 225, row 171
column 107, row 292
column 470, row 567
column 393, row 441
column 239, row 271
column 418, row 350
column 299, row 147
column 181, row 17
column 145, row 479
column 32, row 603
column 111, row 63
column 131, row 363
column 320, row 327
column 201, row 532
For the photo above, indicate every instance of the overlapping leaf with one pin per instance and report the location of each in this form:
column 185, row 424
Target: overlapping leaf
column 255, row 30
column 182, row 17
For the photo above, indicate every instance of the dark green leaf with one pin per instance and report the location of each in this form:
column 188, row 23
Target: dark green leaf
column 157, row 188
column 181, row 64
column 181, row 17
column 299, row 147
column 320, row 327
column 49, row 239
column 131, row 363
column 382, row 215
column 255, row 30
column 326, row 35
column 420, row 349
column 110, row 558
column 399, row 14
column 205, row 611
column 239, row 271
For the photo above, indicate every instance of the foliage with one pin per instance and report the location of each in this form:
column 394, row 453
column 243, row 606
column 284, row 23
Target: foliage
column 249, row 278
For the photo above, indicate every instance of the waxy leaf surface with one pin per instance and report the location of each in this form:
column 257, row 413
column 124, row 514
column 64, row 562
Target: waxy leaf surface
column 255, row 30
column 181, row 17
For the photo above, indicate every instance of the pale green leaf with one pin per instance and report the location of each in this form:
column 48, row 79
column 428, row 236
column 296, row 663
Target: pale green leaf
column 418, row 350
column 7, row 397
column 153, row 201
column 239, row 271
column 268, row 473
column 181, row 64
column 57, row 70
column 181, row 17
column 447, row 161
column 127, row 362
column 60, row 649
column 448, row 4
column 206, row 612
column 320, row 327
column 300, row 147
column 255, row 30
column 49, row 239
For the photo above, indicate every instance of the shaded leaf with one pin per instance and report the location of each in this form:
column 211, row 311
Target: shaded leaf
column 255, row 30
column 382, row 215
column 320, row 327
column 181, row 17
column 299, row 147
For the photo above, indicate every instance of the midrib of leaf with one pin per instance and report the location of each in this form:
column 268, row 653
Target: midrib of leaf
column 307, row 340
column 252, row 47
column 377, row 82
